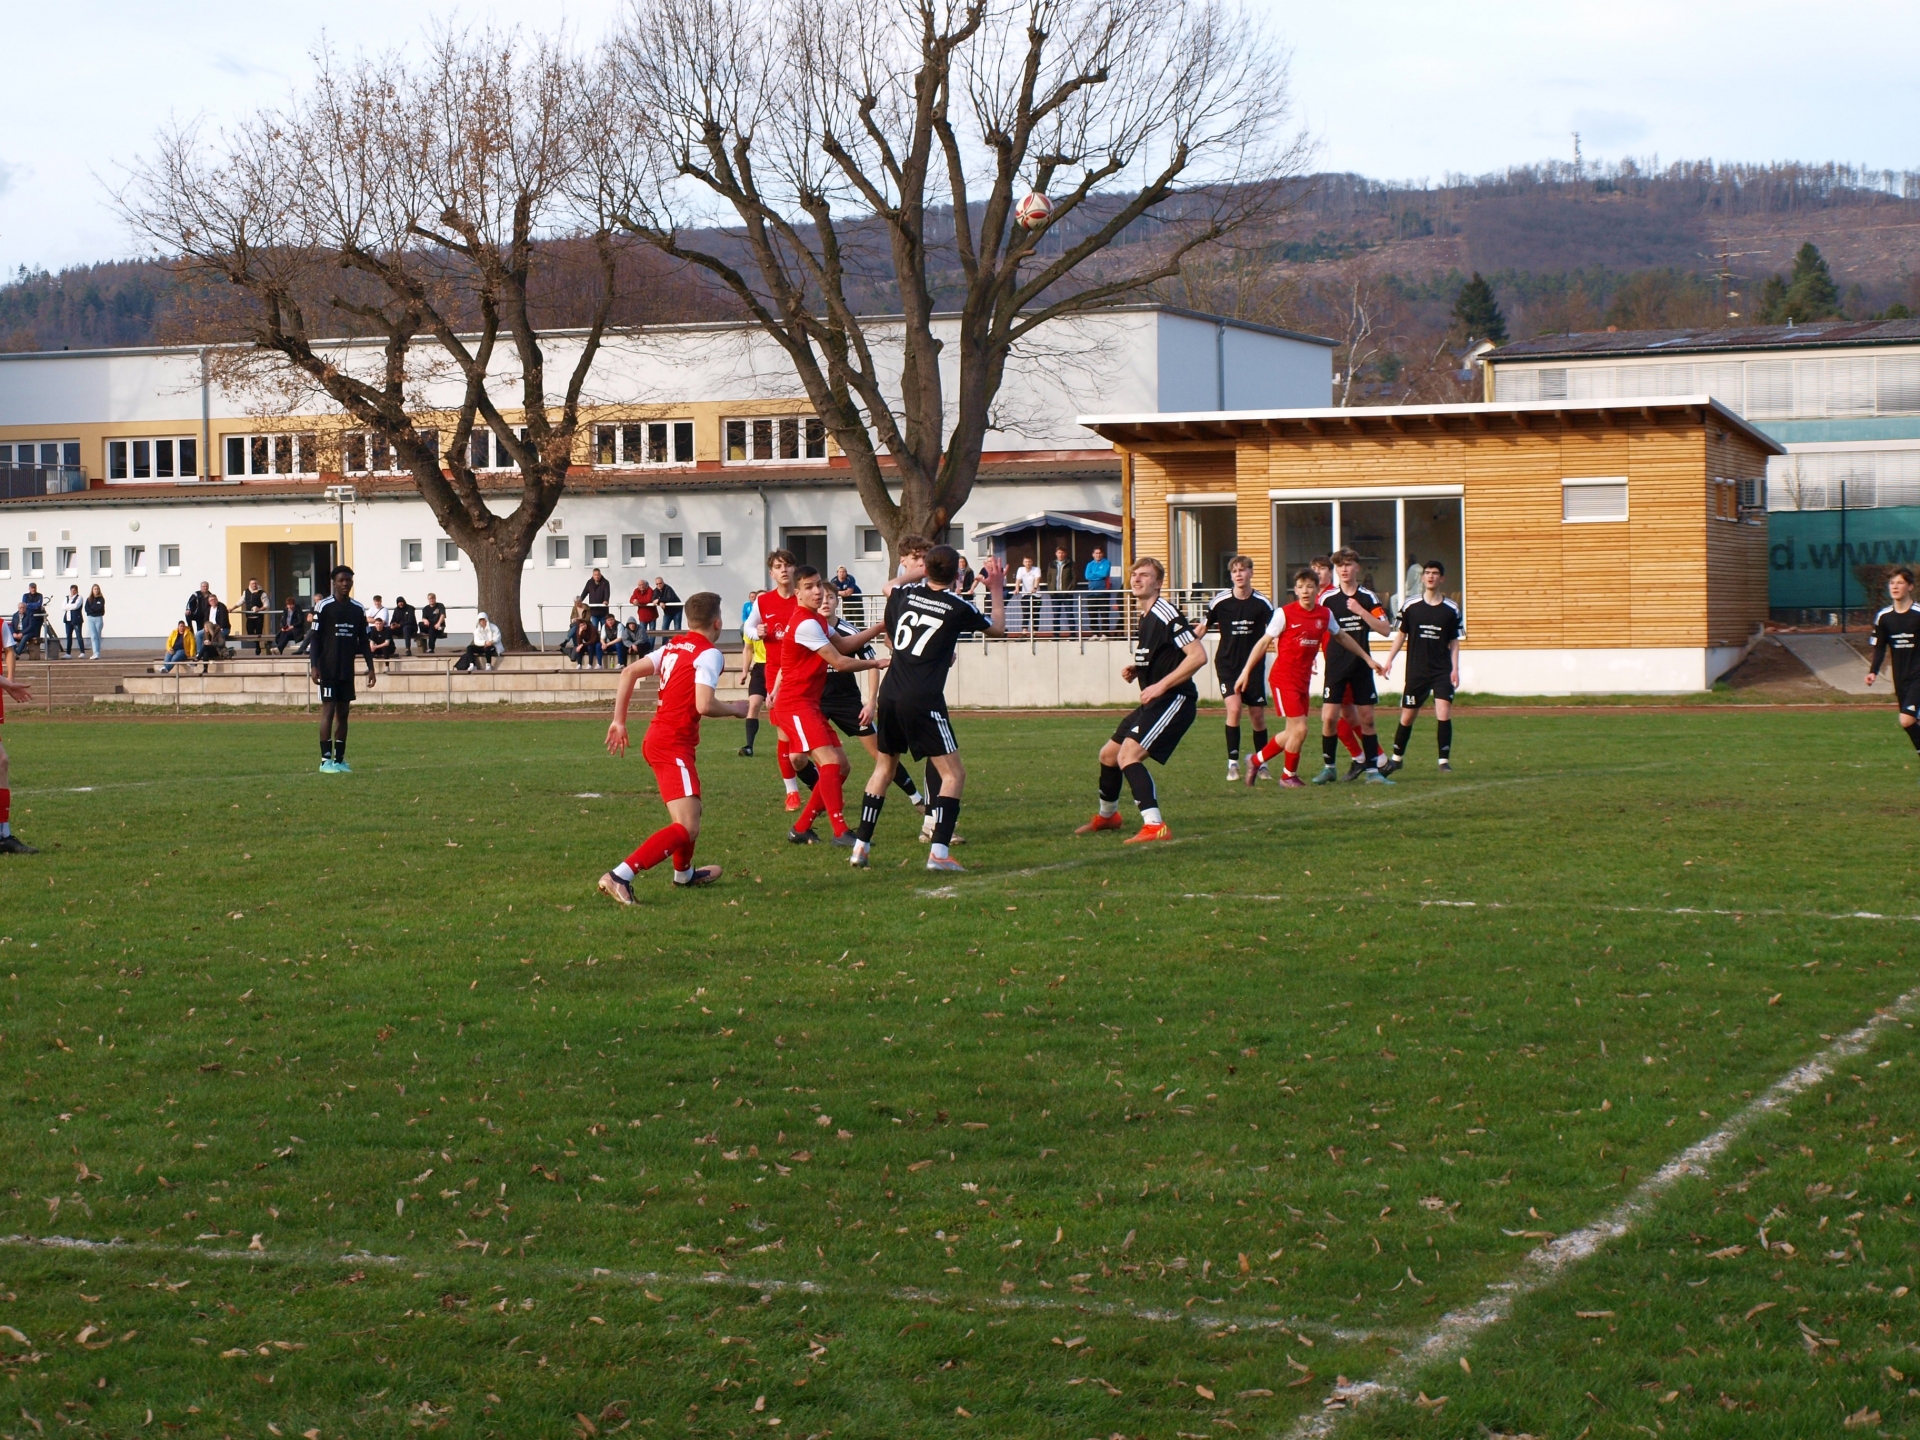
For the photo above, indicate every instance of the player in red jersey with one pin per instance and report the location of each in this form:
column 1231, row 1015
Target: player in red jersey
column 10, row 843
column 768, row 621
column 811, row 651
column 1298, row 632
column 689, row 666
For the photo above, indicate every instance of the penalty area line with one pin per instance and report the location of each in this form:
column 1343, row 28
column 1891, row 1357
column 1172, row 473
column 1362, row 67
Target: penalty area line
column 1456, row 1331
column 1694, row 910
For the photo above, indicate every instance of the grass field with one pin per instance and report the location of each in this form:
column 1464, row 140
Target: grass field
column 374, row 1119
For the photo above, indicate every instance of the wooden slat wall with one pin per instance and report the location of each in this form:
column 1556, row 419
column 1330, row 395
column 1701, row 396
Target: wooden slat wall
column 1659, row 579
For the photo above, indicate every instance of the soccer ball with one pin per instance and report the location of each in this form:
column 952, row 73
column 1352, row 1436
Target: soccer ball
column 1034, row 211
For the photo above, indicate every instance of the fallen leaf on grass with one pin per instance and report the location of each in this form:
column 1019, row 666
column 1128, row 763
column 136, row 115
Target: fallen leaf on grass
column 1728, row 1253
column 1203, row 1392
column 1252, row 1395
column 1425, row 1404
column 1763, row 1305
column 14, row 1335
column 1528, row 1234
column 1593, row 1314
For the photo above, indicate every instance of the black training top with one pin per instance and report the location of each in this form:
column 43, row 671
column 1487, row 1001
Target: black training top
column 1899, row 633
column 1431, row 630
column 1159, row 648
column 1347, row 611
column 843, row 686
column 923, row 627
column 1238, row 623
column 339, row 636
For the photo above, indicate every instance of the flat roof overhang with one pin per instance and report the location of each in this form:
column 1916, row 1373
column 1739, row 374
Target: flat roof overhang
column 1214, row 428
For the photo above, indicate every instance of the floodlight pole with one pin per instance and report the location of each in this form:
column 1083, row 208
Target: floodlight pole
column 342, row 496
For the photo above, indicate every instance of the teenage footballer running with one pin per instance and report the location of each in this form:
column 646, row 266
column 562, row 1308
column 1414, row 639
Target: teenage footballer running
column 1896, row 629
column 689, row 666
column 924, row 621
column 1239, row 615
column 1430, row 629
column 809, row 655
column 1358, row 612
column 844, row 703
column 1298, row 632
column 10, row 689
column 768, row 622
column 339, row 634
column 1166, row 657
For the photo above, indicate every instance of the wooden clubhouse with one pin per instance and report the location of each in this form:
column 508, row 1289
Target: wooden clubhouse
column 1595, row 547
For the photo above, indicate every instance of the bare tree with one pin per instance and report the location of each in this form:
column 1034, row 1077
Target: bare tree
column 403, row 204
column 882, row 147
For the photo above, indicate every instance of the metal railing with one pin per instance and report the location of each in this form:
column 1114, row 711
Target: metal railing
column 20, row 481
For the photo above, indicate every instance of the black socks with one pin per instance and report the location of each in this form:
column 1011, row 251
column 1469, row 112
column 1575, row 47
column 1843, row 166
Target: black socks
column 905, row 782
column 1369, row 747
column 807, row 774
column 870, row 814
column 946, row 814
column 753, row 729
column 1259, row 741
column 1400, row 737
column 1141, row 783
column 1329, row 746
column 1233, row 742
column 1109, row 783
column 1443, row 731
column 932, row 791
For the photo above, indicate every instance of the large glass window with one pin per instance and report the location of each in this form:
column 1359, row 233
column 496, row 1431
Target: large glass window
column 653, row 442
column 1205, row 537
column 794, row 437
column 1302, row 530
column 1394, row 535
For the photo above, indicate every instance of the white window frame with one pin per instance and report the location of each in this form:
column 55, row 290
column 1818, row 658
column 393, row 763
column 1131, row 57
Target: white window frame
column 413, row 555
column 66, row 451
column 497, row 457
column 6, row 563
column 100, row 559
column 758, row 433
column 633, row 551
column 169, row 559
column 302, row 452
column 560, row 552
column 673, row 547
column 446, row 555
column 1596, row 482
column 66, row 561
column 33, row 561
column 596, row 552
column 633, row 444
column 134, row 560
column 718, row 557
column 869, row 543
column 367, row 441
column 127, row 455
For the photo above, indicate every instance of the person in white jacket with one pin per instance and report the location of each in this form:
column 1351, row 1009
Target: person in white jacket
column 73, row 620
column 485, row 648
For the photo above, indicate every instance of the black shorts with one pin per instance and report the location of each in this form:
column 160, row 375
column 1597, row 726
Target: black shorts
column 1439, row 685
column 918, row 729
column 1910, row 696
column 844, row 711
column 1256, row 691
column 337, row 691
column 1158, row 725
column 757, row 680
column 1349, row 683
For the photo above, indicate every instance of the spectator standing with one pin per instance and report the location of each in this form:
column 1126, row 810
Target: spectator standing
column 646, row 607
column 1059, row 589
column 253, row 615
column 72, row 617
column 378, row 608
column 433, row 623
column 292, row 629
column 966, row 580
column 219, row 626
column 405, row 624
column 1026, row 581
column 597, row 593
column 484, row 648
column 96, row 612
column 670, row 606
column 1098, row 575
column 199, row 604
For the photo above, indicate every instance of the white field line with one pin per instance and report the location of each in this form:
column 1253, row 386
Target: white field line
column 1545, row 1264
column 1754, row 914
column 1392, row 802
column 421, row 1268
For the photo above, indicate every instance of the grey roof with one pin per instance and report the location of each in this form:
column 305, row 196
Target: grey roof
column 1614, row 344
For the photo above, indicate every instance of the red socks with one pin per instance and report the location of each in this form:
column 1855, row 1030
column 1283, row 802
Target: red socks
column 6, row 806
column 1292, row 768
column 673, row 840
column 786, row 765
column 1265, row 753
column 828, row 795
column 1350, row 738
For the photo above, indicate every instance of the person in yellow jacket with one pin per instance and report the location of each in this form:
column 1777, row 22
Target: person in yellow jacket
column 756, row 661
column 181, row 645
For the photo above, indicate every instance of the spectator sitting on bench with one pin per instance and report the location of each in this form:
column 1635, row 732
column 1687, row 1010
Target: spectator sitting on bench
column 181, row 646
column 433, row 623
column 612, row 647
column 380, row 640
column 583, row 641
column 485, row 648
column 405, row 623
column 292, row 629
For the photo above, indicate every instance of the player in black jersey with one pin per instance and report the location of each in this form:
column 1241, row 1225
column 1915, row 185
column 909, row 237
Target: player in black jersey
column 339, row 634
column 1166, row 657
column 843, row 703
column 1239, row 616
column 1430, row 629
column 1897, row 629
column 1349, row 679
column 924, row 621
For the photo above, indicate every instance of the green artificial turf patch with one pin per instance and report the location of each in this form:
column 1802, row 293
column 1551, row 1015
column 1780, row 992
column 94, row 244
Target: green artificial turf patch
column 373, row 1117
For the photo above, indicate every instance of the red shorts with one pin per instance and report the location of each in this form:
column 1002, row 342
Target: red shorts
column 676, row 775
column 1291, row 693
column 804, row 726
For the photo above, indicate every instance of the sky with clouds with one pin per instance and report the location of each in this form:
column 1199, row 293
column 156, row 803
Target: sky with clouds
column 1395, row 89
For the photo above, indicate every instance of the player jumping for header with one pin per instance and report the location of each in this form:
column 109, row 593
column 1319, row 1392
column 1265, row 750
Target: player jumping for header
column 924, row 621
column 810, row 654
column 1166, row 657
column 1298, row 631
column 1430, row 629
column 689, row 667
column 1897, row 628
column 1239, row 615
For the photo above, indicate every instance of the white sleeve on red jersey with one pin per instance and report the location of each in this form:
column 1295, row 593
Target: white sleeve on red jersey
column 708, row 667
column 754, row 627
column 810, row 635
column 1277, row 625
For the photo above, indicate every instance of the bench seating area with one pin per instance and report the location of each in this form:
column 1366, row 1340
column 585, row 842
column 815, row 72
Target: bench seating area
column 419, row 681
